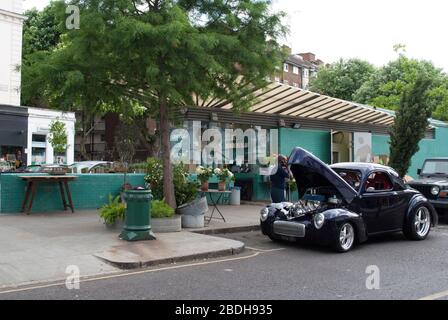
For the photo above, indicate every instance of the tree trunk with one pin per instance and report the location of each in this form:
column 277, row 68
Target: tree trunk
column 168, row 185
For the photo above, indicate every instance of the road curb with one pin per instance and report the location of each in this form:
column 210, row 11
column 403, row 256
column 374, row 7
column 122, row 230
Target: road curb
column 228, row 230
column 200, row 256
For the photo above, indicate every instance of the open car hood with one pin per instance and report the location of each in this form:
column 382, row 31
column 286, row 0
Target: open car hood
column 310, row 172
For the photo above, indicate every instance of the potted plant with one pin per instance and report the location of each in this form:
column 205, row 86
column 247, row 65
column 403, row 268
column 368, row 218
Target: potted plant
column 58, row 139
column 113, row 212
column 223, row 175
column 203, row 175
column 163, row 217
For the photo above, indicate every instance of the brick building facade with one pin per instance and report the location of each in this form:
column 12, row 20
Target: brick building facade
column 298, row 69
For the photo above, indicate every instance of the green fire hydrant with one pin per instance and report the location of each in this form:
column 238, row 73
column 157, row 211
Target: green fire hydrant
column 137, row 223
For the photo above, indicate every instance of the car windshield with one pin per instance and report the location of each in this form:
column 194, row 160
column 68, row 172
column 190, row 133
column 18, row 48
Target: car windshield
column 435, row 167
column 352, row 177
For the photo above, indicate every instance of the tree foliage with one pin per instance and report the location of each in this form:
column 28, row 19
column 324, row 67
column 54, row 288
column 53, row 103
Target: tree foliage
column 160, row 55
column 40, row 30
column 58, row 137
column 410, row 123
column 386, row 86
column 342, row 79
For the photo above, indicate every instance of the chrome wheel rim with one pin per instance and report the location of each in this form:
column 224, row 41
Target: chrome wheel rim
column 346, row 236
column 422, row 221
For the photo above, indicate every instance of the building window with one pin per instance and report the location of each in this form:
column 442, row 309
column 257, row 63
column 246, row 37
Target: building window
column 286, row 67
column 39, row 137
column 295, row 70
column 306, row 73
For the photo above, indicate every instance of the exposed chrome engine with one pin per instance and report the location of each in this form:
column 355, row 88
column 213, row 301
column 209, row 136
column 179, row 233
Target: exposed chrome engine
column 304, row 207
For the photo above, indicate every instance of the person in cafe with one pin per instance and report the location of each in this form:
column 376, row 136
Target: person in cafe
column 19, row 163
column 278, row 180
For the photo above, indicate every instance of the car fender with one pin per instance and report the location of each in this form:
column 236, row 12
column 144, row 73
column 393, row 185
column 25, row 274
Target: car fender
column 340, row 215
column 418, row 200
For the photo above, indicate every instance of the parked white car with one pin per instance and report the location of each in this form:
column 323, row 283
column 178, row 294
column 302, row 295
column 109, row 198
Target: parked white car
column 90, row 167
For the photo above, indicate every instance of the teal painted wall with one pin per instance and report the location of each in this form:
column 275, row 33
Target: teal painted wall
column 89, row 191
column 316, row 141
column 437, row 147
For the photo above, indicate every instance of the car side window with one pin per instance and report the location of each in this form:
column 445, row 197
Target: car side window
column 378, row 181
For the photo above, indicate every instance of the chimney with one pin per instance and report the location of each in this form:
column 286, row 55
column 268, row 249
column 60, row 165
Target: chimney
column 310, row 57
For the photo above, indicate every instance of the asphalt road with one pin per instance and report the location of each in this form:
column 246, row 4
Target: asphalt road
column 267, row 270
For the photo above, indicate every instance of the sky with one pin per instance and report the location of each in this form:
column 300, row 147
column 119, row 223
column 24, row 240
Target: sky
column 366, row 29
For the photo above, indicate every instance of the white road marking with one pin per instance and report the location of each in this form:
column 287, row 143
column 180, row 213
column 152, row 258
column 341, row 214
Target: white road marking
column 436, row 296
column 120, row 275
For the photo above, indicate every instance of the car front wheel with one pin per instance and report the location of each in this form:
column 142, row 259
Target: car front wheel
column 419, row 224
column 345, row 237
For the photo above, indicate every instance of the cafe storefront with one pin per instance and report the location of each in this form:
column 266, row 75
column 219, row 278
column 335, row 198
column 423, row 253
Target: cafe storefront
column 332, row 129
column 26, row 130
column 13, row 133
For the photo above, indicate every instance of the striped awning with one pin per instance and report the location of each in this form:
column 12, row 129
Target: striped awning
column 284, row 100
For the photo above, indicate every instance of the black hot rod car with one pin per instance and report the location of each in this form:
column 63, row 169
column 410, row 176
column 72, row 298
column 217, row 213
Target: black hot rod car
column 345, row 203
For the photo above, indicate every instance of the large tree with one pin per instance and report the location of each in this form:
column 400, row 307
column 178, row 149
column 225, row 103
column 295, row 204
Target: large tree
column 161, row 56
column 342, row 78
column 410, row 123
column 385, row 87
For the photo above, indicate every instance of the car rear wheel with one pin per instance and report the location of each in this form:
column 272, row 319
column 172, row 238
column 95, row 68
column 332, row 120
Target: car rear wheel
column 345, row 237
column 419, row 224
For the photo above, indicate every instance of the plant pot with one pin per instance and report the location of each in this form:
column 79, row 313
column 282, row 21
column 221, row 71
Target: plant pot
column 166, row 225
column 189, row 221
column 193, row 213
column 204, row 186
column 194, row 208
column 222, row 186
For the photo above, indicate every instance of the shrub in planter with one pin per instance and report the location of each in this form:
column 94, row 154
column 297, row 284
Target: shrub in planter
column 160, row 209
column 185, row 191
column 112, row 212
column 163, row 218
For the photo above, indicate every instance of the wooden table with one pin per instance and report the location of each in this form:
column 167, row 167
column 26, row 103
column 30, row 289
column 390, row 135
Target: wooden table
column 32, row 183
column 215, row 203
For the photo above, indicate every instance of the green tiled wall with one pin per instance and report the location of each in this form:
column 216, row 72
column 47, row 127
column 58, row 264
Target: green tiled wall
column 316, row 141
column 89, row 191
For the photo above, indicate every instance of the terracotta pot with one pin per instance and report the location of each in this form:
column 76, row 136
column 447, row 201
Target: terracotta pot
column 222, row 186
column 204, row 186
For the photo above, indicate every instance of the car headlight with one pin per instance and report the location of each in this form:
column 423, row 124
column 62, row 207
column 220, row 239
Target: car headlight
column 319, row 220
column 435, row 191
column 264, row 214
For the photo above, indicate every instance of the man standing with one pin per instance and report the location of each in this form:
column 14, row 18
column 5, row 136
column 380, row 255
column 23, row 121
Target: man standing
column 278, row 180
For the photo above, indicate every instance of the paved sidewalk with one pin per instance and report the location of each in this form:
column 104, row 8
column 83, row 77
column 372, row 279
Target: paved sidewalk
column 238, row 219
column 39, row 247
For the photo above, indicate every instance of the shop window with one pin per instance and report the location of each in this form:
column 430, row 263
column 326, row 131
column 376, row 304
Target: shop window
column 38, row 155
column 39, row 137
